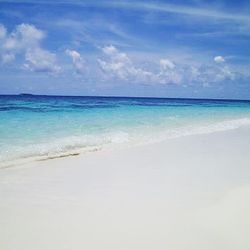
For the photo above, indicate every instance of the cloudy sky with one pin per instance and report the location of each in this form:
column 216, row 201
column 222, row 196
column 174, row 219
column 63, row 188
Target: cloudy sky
column 191, row 48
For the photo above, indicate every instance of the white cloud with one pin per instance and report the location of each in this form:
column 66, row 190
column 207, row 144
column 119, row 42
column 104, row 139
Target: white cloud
column 210, row 74
column 169, row 72
column 2, row 32
column 40, row 60
column 118, row 65
column 25, row 40
column 77, row 60
column 25, row 36
column 115, row 55
column 219, row 59
column 227, row 73
column 8, row 57
column 166, row 64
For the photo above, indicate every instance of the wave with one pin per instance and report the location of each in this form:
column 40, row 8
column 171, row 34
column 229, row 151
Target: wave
column 219, row 126
column 53, row 108
column 201, row 129
column 67, row 146
column 75, row 145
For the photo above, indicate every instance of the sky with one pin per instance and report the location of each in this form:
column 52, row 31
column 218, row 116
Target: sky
column 190, row 49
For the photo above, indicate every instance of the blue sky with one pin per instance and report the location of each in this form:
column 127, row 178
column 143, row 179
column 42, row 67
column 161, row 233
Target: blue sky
column 193, row 48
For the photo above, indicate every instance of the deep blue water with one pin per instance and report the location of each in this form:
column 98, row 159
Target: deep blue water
column 50, row 126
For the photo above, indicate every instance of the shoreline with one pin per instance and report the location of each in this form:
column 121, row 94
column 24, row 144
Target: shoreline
column 187, row 193
column 220, row 127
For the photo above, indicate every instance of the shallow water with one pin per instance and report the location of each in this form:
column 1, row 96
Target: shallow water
column 51, row 126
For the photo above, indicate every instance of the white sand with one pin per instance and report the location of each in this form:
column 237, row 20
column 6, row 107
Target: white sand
column 190, row 193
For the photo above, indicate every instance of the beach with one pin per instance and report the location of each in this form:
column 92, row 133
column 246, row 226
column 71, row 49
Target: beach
column 191, row 192
column 124, row 125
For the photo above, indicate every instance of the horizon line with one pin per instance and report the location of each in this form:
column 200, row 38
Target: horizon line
column 121, row 96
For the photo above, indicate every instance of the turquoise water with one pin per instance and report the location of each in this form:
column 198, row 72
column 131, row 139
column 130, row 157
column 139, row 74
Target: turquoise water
column 50, row 126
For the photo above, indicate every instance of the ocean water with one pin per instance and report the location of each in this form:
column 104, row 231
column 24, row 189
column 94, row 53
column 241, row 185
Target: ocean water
column 41, row 127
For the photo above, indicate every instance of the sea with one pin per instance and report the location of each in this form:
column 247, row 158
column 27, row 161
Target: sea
column 34, row 127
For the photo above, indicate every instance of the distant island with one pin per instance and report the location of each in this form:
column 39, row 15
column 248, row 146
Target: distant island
column 26, row 94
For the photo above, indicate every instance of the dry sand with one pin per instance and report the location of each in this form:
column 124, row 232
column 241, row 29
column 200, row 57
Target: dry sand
column 189, row 193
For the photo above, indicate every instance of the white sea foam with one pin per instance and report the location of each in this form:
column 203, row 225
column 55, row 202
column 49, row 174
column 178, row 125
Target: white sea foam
column 189, row 130
column 67, row 146
column 216, row 127
column 73, row 145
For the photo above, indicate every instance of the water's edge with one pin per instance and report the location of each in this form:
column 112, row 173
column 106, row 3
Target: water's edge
column 48, row 127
